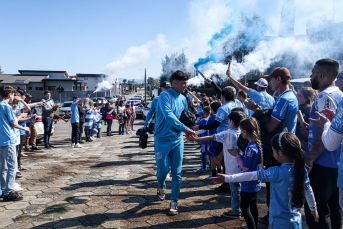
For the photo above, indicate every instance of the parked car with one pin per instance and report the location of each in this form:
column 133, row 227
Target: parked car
column 100, row 98
column 146, row 109
column 138, row 107
column 298, row 83
column 111, row 99
column 39, row 125
column 65, row 109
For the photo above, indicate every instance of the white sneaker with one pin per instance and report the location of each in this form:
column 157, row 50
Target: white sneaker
column 17, row 187
column 78, row 145
column 160, row 193
column 173, row 208
column 167, row 177
column 72, row 145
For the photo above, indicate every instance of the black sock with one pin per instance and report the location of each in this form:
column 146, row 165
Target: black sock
column 219, row 170
column 214, row 173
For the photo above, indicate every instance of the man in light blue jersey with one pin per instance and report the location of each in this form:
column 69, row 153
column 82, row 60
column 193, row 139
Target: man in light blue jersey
column 169, row 138
column 259, row 96
column 322, row 163
column 164, row 86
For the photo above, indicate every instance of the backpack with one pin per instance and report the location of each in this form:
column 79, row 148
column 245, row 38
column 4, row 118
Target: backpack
column 143, row 141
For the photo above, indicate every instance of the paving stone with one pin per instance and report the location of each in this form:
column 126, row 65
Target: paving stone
column 19, row 226
column 41, row 201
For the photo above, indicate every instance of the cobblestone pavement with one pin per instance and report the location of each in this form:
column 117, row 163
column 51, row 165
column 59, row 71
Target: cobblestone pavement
column 111, row 183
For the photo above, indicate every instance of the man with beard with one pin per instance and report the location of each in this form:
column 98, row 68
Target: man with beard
column 322, row 164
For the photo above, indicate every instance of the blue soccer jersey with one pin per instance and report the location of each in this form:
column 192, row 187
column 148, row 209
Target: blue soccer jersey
column 282, row 214
column 223, row 112
column 250, row 158
column 262, row 98
column 285, row 108
column 328, row 98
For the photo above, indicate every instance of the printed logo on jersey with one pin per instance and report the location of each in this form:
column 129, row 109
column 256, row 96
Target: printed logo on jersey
column 159, row 156
column 309, row 147
column 181, row 109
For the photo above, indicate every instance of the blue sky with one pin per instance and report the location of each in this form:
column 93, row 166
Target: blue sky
column 85, row 36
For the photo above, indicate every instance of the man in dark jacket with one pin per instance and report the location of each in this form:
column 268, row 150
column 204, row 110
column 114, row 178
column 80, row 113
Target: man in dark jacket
column 82, row 113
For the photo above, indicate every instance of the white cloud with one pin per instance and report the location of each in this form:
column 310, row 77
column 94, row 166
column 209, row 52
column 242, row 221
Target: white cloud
column 137, row 54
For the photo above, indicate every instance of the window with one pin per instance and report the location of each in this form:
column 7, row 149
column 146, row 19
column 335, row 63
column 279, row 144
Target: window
column 39, row 88
column 30, row 88
column 19, row 81
column 51, row 88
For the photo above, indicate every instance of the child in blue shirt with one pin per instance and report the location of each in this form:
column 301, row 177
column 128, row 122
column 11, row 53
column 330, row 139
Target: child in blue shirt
column 204, row 144
column 289, row 183
column 250, row 161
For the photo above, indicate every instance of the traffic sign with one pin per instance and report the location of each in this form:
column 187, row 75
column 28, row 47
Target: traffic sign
column 60, row 89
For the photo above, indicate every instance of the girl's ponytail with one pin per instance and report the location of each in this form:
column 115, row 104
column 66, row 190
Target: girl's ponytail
column 290, row 146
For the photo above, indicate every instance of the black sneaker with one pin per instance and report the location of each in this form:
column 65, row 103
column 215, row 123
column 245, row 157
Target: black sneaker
column 28, row 150
column 229, row 214
column 81, row 142
column 47, row 147
column 12, row 196
column 223, row 189
column 18, row 176
column 264, row 219
column 51, row 146
column 35, row 148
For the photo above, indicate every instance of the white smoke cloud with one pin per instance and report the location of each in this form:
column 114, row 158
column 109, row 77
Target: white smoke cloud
column 138, row 54
column 104, row 85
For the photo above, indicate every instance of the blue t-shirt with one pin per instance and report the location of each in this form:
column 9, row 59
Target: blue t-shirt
column 337, row 126
column 223, row 112
column 285, row 108
column 282, row 214
column 203, row 121
column 7, row 134
column 167, row 125
column 250, row 160
column 328, row 98
column 262, row 98
column 74, row 113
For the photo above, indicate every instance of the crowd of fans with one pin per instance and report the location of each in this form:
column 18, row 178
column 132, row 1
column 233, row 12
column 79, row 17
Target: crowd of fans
column 262, row 138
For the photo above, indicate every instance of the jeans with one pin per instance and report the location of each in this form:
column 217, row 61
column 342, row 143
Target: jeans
column 8, row 168
column 235, row 197
column 19, row 148
column 122, row 129
column 47, row 122
column 132, row 121
column 173, row 151
column 109, row 126
column 75, row 132
column 324, row 184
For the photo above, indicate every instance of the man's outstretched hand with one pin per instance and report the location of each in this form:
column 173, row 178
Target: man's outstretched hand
column 191, row 133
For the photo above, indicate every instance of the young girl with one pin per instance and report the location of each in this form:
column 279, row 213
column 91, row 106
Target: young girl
column 289, row 183
column 133, row 114
column 121, row 117
column 127, row 114
column 249, row 161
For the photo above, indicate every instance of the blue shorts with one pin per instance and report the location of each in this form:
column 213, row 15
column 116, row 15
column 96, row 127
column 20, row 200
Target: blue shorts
column 203, row 148
column 212, row 151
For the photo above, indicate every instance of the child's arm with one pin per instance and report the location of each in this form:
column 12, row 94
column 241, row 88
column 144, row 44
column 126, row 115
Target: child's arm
column 309, row 195
column 239, row 177
column 240, row 162
column 199, row 139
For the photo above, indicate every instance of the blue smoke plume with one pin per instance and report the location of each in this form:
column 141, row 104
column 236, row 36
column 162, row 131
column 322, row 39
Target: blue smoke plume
column 213, row 55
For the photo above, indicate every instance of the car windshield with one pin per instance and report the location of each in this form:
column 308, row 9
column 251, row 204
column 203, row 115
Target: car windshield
column 66, row 105
column 108, row 97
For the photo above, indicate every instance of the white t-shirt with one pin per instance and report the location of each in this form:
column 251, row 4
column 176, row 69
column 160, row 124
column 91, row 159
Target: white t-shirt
column 229, row 139
column 121, row 109
column 16, row 113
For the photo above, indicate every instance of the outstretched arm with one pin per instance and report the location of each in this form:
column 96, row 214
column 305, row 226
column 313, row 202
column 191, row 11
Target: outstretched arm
column 236, row 83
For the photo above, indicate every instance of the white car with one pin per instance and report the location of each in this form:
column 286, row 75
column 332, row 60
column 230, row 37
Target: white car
column 138, row 106
column 65, row 109
column 146, row 109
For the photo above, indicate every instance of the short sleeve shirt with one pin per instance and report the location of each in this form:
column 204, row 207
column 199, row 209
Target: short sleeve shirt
column 222, row 114
column 7, row 135
column 229, row 140
column 282, row 212
column 285, row 108
column 262, row 98
column 250, row 160
column 328, row 98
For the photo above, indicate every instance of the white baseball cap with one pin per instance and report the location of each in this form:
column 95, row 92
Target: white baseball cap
column 262, row 82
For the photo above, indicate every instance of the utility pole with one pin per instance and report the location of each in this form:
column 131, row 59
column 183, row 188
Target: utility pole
column 145, row 85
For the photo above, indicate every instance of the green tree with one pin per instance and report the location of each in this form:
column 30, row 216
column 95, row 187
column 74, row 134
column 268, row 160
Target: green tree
column 1, row 70
column 124, row 81
column 172, row 63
